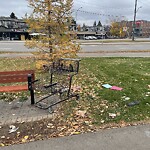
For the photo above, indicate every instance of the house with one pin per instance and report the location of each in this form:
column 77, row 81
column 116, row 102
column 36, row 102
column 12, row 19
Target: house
column 13, row 29
column 97, row 31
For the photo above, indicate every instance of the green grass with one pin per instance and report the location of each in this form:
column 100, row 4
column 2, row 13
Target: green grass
column 9, row 64
column 132, row 74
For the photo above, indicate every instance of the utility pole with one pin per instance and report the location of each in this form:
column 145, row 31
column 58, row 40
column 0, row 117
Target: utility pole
column 76, row 16
column 133, row 27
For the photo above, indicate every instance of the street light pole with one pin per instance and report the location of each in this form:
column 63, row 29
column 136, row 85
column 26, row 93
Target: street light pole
column 133, row 28
column 76, row 16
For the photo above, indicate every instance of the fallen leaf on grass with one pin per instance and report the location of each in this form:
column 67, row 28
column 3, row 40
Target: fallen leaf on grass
column 125, row 98
column 102, row 121
column 1, row 144
column 81, row 113
column 50, row 125
column 25, row 138
column 2, row 137
column 75, row 133
column 76, row 88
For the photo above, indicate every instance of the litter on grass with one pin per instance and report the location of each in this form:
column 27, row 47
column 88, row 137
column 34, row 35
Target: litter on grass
column 13, row 129
column 133, row 103
column 116, row 88
column 125, row 98
column 108, row 86
column 112, row 115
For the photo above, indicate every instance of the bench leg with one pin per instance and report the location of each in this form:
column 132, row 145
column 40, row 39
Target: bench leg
column 31, row 89
column 32, row 97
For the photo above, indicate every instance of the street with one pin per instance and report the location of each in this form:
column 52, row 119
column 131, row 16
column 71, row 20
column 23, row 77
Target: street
column 14, row 46
column 115, row 49
column 111, row 47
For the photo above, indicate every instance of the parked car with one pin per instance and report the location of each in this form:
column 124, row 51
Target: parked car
column 86, row 38
column 90, row 38
column 94, row 37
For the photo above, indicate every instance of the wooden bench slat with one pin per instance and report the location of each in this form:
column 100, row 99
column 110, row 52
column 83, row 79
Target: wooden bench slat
column 17, row 72
column 13, row 78
column 13, row 88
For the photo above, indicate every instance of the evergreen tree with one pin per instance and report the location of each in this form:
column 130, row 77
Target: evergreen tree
column 99, row 24
column 73, row 21
column 94, row 25
column 12, row 15
column 83, row 25
column 51, row 19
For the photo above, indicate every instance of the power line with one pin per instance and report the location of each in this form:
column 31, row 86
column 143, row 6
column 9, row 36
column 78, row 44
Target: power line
column 99, row 14
column 100, row 7
column 144, row 3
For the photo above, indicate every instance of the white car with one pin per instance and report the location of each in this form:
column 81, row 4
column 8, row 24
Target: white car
column 86, row 38
column 90, row 38
column 94, row 37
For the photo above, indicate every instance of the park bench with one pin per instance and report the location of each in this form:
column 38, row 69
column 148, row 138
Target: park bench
column 15, row 81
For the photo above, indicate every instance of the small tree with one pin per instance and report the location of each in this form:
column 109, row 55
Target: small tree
column 115, row 29
column 51, row 20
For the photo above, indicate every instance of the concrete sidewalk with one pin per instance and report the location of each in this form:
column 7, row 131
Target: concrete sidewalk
column 86, row 54
column 12, row 55
column 18, row 112
column 119, row 54
column 127, row 138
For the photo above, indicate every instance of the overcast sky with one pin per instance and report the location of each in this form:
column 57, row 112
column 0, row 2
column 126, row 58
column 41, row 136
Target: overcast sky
column 92, row 10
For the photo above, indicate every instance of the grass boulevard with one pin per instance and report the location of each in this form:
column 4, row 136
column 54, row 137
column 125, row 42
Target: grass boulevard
column 98, row 107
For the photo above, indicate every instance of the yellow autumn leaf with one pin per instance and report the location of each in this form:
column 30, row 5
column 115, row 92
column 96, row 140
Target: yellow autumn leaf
column 75, row 133
column 1, row 144
column 25, row 138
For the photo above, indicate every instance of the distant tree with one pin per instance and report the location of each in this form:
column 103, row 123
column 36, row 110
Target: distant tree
column 115, row 29
column 78, row 28
column 84, row 27
column 73, row 25
column 13, row 16
column 99, row 24
column 73, row 21
column 94, row 25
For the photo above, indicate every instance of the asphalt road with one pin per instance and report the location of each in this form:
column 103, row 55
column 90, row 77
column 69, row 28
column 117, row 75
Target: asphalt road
column 127, row 138
column 14, row 46
column 122, row 49
column 111, row 47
